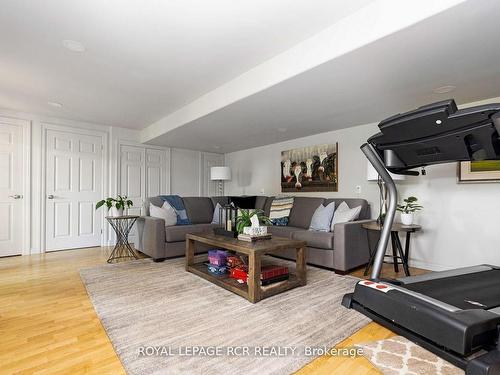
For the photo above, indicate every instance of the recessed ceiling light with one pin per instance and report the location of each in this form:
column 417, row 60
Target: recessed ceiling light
column 55, row 104
column 73, row 45
column 444, row 89
column 282, row 130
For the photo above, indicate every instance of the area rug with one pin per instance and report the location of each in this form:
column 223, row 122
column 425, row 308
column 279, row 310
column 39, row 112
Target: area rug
column 164, row 320
column 399, row 356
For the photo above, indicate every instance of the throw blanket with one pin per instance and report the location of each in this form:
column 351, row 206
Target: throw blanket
column 280, row 210
column 178, row 205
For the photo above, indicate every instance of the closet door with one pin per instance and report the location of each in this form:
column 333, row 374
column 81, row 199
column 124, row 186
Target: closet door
column 132, row 180
column 155, row 172
column 143, row 173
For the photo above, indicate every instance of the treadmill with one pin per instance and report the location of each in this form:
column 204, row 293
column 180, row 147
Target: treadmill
column 454, row 314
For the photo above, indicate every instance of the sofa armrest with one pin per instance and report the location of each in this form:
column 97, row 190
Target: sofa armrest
column 151, row 231
column 350, row 245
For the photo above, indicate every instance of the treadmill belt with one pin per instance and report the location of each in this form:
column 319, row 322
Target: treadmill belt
column 479, row 290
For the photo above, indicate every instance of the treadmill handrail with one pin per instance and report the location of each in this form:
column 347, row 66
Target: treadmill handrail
column 385, row 233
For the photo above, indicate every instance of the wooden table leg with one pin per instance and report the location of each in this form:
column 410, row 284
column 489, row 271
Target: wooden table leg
column 189, row 253
column 254, row 278
column 301, row 265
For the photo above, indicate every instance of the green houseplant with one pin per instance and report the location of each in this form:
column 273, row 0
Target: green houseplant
column 408, row 208
column 116, row 204
column 243, row 219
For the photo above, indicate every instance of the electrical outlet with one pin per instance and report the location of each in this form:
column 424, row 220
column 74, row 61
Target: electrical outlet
column 262, row 191
column 358, row 189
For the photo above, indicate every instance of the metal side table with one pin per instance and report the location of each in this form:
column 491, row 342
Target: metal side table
column 122, row 226
column 398, row 255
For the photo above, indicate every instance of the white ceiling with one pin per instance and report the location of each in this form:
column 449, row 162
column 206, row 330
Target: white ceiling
column 393, row 74
column 143, row 59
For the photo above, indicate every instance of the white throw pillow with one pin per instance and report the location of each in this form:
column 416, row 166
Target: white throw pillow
column 344, row 214
column 165, row 212
column 322, row 218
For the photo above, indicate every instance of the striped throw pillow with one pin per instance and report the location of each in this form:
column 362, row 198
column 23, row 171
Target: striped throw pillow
column 280, row 210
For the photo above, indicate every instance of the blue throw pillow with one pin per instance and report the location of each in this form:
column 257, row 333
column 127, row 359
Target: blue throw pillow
column 178, row 205
column 322, row 218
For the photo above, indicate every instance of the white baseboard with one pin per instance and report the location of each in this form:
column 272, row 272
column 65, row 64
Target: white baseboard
column 428, row 266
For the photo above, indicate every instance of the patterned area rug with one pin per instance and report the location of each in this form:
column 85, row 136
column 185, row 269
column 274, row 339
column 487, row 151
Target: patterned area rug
column 148, row 306
column 399, row 356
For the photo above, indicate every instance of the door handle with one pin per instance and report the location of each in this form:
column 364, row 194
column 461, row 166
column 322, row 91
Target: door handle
column 50, row 196
column 17, row 196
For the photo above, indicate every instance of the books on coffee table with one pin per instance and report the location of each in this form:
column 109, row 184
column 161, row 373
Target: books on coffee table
column 249, row 238
column 269, row 274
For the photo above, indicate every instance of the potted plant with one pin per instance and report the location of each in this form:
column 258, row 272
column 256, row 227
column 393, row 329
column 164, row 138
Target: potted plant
column 407, row 209
column 116, row 204
column 243, row 219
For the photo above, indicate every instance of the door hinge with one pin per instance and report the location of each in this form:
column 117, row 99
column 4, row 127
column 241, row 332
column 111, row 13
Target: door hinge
column 101, row 231
column 102, row 147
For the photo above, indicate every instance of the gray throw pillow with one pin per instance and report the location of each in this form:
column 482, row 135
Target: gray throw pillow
column 344, row 214
column 216, row 217
column 322, row 218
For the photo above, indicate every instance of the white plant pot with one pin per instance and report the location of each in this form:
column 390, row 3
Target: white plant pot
column 116, row 211
column 407, row 219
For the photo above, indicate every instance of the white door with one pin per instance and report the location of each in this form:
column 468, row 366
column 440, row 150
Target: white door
column 132, row 181
column 142, row 175
column 11, row 188
column 73, row 186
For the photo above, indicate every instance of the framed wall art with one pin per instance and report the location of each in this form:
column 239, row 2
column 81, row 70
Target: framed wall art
column 479, row 171
column 307, row 169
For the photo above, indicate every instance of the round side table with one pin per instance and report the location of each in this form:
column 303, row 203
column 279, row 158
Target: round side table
column 398, row 255
column 122, row 226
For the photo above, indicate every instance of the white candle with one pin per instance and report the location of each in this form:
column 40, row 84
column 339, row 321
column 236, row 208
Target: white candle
column 229, row 226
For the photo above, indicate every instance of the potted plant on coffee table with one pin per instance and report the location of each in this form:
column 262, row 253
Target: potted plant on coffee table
column 244, row 219
column 408, row 208
column 116, row 205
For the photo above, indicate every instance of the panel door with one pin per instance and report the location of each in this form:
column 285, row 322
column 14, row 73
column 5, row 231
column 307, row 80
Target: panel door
column 74, row 167
column 211, row 188
column 155, row 173
column 11, row 188
column 132, row 180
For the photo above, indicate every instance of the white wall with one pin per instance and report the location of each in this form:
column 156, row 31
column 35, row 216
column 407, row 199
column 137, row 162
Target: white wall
column 185, row 165
column 460, row 221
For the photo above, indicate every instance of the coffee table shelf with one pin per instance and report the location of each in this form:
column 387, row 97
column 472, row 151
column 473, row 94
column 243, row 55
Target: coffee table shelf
column 252, row 290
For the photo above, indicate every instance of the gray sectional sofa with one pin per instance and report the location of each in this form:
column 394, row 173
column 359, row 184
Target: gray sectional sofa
column 342, row 250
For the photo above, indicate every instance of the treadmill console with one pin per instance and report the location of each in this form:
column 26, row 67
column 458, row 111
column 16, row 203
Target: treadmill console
column 438, row 133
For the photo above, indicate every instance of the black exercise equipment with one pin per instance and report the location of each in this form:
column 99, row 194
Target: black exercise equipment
column 454, row 314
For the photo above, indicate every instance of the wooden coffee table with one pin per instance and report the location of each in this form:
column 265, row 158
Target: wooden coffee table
column 254, row 292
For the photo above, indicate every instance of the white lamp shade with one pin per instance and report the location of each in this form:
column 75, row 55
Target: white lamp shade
column 372, row 174
column 220, row 173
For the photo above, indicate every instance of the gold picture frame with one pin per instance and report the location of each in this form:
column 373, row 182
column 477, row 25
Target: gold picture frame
column 479, row 171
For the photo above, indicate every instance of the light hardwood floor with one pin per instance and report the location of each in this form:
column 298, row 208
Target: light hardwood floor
column 48, row 324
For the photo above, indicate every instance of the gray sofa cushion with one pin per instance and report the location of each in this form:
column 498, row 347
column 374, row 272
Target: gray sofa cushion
column 199, row 209
column 353, row 202
column 260, row 202
column 155, row 201
column 303, row 210
column 267, row 206
column 222, row 200
column 282, row 231
column 178, row 232
column 320, row 240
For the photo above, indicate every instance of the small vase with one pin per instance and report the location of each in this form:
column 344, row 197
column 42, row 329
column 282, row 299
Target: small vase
column 116, row 211
column 407, row 219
